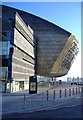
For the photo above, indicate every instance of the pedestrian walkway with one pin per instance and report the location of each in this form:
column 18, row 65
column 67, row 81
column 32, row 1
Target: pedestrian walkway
column 32, row 102
column 39, row 90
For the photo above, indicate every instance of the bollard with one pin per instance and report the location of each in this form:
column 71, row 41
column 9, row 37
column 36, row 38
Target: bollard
column 69, row 92
column 65, row 93
column 47, row 95
column 60, row 93
column 24, row 98
column 42, row 99
column 73, row 91
column 79, row 90
column 76, row 90
column 54, row 94
column 24, row 101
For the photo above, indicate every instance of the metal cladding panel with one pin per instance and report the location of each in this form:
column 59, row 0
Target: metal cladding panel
column 49, row 48
column 23, row 36
column 23, row 56
column 24, row 29
column 23, row 44
column 63, row 62
column 66, row 57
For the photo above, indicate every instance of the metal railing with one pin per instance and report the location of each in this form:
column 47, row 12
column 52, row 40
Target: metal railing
column 38, row 101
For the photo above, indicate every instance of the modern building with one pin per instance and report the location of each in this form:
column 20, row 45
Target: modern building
column 32, row 45
column 17, row 55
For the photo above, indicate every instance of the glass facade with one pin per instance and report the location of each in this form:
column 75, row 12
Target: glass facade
column 4, row 54
column 5, row 43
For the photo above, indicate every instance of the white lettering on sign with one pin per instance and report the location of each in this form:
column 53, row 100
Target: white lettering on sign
column 70, row 56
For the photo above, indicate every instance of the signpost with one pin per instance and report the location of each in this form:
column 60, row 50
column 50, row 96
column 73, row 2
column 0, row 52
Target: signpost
column 33, row 85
